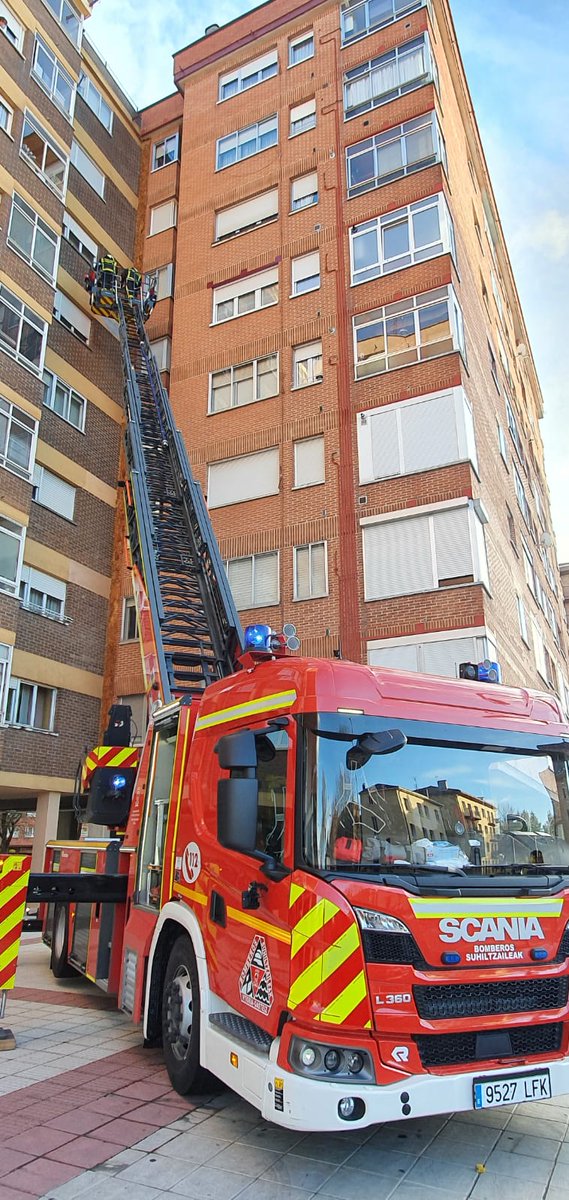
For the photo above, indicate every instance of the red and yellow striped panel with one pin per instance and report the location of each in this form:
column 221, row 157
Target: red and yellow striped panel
column 327, row 972
column 109, row 756
column 14, row 876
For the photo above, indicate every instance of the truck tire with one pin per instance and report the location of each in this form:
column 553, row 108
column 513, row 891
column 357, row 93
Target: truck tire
column 60, row 966
column 181, row 1020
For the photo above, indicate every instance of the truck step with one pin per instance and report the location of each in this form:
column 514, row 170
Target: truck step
column 242, row 1030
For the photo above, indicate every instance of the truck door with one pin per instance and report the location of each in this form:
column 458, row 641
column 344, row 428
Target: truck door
column 150, row 864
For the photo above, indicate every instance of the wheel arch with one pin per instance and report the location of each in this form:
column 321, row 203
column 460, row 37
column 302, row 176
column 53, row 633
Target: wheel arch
column 174, row 919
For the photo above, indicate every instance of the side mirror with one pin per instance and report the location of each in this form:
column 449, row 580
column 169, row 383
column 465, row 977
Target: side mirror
column 237, row 804
column 237, row 750
column 385, row 742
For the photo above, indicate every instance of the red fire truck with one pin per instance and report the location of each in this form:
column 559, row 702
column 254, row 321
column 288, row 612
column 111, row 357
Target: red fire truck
column 342, row 890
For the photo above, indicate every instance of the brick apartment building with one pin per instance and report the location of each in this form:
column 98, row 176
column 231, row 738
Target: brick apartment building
column 369, row 442
column 70, row 157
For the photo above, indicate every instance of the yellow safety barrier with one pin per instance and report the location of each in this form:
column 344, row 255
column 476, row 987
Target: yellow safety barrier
column 14, row 877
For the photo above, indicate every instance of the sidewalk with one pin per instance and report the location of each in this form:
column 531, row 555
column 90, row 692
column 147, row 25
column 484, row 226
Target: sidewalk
column 85, row 1111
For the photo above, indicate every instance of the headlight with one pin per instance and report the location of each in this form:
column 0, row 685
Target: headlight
column 379, row 922
column 320, row 1060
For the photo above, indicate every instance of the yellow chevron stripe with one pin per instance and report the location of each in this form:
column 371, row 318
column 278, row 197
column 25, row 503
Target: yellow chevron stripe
column 295, row 891
column 312, row 922
column 546, row 907
column 248, row 709
column 339, row 1010
column 10, row 955
column 323, row 967
column 13, row 921
column 9, row 892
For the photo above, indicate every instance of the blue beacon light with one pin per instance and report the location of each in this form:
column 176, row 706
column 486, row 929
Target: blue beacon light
column 257, row 637
column 118, row 781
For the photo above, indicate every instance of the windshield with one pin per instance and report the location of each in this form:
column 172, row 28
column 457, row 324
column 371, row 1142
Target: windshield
column 494, row 800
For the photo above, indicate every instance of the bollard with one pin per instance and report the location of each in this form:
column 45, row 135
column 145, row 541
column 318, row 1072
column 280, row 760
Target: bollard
column 14, row 877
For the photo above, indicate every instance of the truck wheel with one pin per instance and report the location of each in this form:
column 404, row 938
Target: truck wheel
column 181, row 1020
column 60, row 967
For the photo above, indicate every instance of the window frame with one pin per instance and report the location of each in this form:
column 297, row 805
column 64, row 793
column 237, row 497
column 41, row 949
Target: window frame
column 295, row 282
column 269, row 194
column 27, row 584
column 165, row 343
column 257, row 291
column 156, row 208
column 241, row 74
column 85, row 94
column 175, row 137
column 406, row 7
column 463, row 423
column 255, row 603
column 52, row 387
column 310, row 547
column 25, row 314
column 306, row 121
column 37, row 479
column 39, row 227
column 77, row 150
column 14, row 416
column 259, row 149
column 63, row 4
column 478, row 562
column 257, row 399
column 296, row 207
column 75, row 330
column 18, row 41
column 58, row 71
column 89, row 250
column 49, row 144
column 414, row 305
column 15, row 531
column 152, row 279
column 396, row 133
column 317, row 437
column 128, row 609
column 296, row 361
column 367, row 68
column 299, row 40
column 416, row 253
column 15, row 686
column 274, row 451
column 7, row 128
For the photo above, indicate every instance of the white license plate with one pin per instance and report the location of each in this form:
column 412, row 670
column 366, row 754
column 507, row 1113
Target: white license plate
column 511, row 1089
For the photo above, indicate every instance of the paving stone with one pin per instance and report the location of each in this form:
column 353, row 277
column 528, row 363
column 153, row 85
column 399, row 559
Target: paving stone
column 10, row 1159
column 270, row 1137
column 155, row 1170
column 157, row 1139
column 523, row 1143
column 123, row 1132
column 194, row 1147
column 560, row 1177
column 294, row 1171
column 537, row 1127
column 496, row 1187
column 347, row 1184
column 519, row 1166
column 38, row 1175
column 372, row 1157
column 430, row 1173
column 265, row 1189
column 247, row 1160
column 83, row 1152
column 210, row 1183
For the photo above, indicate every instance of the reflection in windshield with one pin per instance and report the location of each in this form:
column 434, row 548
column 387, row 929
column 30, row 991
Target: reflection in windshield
column 434, row 804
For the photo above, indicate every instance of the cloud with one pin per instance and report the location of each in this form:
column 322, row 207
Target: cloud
column 553, row 234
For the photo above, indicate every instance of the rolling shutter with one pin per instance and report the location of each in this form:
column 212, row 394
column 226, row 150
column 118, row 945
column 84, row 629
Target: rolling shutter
column 247, row 214
column 397, row 558
column 244, row 478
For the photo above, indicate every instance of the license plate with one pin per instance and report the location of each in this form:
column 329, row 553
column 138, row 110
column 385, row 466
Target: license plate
column 511, row 1089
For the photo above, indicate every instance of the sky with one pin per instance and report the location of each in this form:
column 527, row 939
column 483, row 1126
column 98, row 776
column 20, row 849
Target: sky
column 515, row 54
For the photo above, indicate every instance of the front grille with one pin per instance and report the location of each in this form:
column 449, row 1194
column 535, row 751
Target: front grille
column 487, row 999
column 450, row 1049
column 563, row 951
column 391, row 948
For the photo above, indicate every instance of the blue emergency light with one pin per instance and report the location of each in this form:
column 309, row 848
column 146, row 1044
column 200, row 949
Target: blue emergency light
column 257, row 637
column 118, row 782
column 483, row 672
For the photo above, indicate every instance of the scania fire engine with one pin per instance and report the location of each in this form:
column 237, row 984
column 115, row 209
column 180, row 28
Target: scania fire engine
column 342, row 890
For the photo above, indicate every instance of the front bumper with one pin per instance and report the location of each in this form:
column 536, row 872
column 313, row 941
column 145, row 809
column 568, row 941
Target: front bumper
column 312, row 1105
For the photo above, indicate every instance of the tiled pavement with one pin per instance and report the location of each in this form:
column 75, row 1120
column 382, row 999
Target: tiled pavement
column 86, row 1112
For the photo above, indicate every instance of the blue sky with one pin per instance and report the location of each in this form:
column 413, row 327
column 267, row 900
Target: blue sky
column 518, row 70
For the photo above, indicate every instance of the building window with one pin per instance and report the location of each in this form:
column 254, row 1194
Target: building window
column 409, row 235
column 397, row 152
column 310, row 571
column 434, row 655
column 246, row 295
column 22, row 332
column 248, row 214
column 419, row 434
column 30, row 705
column 162, row 280
column 163, row 216
column 307, row 364
column 383, row 79
column 309, row 466
column 42, row 594
column 304, row 191
column 539, row 650
column 502, row 443
column 53, row 493
column 33, row 238
column 300, row 48
column 249, row 75
column 10, row 27
column 11, row 550
column 244, row 384
column 409, row 331
column 360, row 17
column 246, row 478
column 254, row 580
column 165, row 152
column 43, row 156
column 88, row 169
column 513, row 428
column 522, row 618
column 303, row 117
column 129, row 629
column 529, row 570
column 162, row 351
column 76, row 236
column 521, row 497
column 423, row 553
column 64, row 400
column 306, row 273
column 72, row 317
column 6, row 116
column 53, row 78
column 96, row 101
column 18, row 433
column 245, row 142
column 69, row 20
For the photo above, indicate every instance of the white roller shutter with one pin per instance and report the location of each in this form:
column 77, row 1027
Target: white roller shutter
column 54, row 492
column 247, row 214
column 244, row 478
column 305, row 267
column 248, row 283
column 301, row 111
column 266, row 579
column 240, row 575
column 79, row 233
column 385, row 452
column 397, row 558
column 452, row 543
column 306, row 185
column 429, row 433
column 443, row 658
column 44, row 583
column 72, row 314
column 404, row 658
column 163, row 217
column 309, row 462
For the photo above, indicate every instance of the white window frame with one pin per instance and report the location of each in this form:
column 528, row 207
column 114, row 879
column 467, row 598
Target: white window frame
column 521, row 496
column 80, row 330
column 297, row 280
column 169, row 156
column 375, row 230
column 48, row 145
column 59, row 9
column 39, row 229
column 13, row 25
column 273, row 451
column 17, row 534
column 59, row 73
column 370, row 71
column 85, row 246
column 364, row 27
column 173, row 206
column 502, row 443
column 477, row 547
column 162, row 351
column 128, row 608
column 302, row 118
column 464, row 426
column 321, row 446
column 314, row 376
column 485, row 645
column 162, row 280
column 410, row 307
column 523, row 620
column 95, row 100
column 313, row 595
column 26, row 316
column 86, row 166
column 253, row 559
column 54, row 383
column 42, row 474
column 14, row 693
column 256, row 131
column 263, row 286
column 266, row 204
column 233, row 383
column 264, row 67
column 300, row 40
column 396, row 133
column 17, row 418
column 38, row 581
column 306, row 199
column 7, row 128
column 5, row 668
